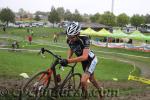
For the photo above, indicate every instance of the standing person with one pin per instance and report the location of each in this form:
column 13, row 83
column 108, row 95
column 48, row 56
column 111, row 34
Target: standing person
column 80, row 46
column 30, row 39
column 15, row 45
column 4, row 28
column 55, row 37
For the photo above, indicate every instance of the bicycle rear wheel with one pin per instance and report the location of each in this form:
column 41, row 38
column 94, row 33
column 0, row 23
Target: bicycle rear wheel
column 36, row 87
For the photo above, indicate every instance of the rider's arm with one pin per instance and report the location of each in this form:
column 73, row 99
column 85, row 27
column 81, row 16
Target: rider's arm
column 83, row 57
column 70, row 53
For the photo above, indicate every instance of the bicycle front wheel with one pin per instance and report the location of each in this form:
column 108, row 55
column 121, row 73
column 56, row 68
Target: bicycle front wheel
column 73, row 83
column 36, row 87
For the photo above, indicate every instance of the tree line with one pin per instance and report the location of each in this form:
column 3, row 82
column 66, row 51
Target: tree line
column 59, row 14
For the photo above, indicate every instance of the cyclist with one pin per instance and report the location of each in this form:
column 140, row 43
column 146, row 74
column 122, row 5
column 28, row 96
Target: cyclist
column 15, row 45
column 80, row 46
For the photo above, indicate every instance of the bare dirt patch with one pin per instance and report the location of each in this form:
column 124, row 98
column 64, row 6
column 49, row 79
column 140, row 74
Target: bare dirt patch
column 128, row 90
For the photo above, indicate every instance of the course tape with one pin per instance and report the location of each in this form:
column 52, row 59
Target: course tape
column 40, row 43
column 110, row 52
column 140, row 79
column 28, row 50
column 123, row 54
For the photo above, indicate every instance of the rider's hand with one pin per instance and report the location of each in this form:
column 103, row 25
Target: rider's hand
column 63, row 62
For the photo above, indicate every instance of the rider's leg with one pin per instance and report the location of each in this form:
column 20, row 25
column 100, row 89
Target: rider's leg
column 95, row 83
column 84, row 84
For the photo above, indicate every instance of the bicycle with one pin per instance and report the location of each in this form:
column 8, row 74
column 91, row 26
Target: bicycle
column 42, row 82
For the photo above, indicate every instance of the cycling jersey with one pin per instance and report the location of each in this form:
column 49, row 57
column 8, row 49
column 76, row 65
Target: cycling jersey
column 78, row 46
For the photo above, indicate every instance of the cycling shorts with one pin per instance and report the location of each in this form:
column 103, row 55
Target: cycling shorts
column 89, row 65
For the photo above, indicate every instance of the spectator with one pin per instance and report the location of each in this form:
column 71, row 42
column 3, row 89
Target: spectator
column 130, row 41
column 30, row 39
column 4, row 28
column 146, row 41
column 111, row 30
column 55, row 37
column 128, row 30
column 15, row 45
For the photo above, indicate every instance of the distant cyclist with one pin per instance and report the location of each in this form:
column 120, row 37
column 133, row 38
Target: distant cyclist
column 80, row 46
column 15, row 45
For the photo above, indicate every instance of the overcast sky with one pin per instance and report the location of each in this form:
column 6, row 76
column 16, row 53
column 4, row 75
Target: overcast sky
column 129, row 7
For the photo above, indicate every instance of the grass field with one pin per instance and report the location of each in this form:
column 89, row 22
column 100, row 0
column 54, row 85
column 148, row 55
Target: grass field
column 14, row 63
column 40, row 31
column 113, row 63
column 45, row 35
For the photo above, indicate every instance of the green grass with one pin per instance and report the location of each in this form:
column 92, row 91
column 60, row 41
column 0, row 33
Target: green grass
column 109, row 69
column 38, row 31
column 14, row 63
column 121, row 50
column 46, row 34
column 105, row 70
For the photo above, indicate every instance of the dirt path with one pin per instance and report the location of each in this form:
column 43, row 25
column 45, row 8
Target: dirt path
column 141, row 91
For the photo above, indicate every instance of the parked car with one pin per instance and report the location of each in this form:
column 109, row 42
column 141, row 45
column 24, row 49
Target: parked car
column 145, row 28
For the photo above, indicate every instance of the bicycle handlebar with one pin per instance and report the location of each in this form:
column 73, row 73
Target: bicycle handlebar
column 45, row 50
column 56, row 56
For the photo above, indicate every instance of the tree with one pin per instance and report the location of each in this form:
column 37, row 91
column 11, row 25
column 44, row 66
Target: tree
column 137, row 20
column 76, row 16
column 22, row 13
column 37, row 18
column 6, row 16
column 61, row 12
column 41, row 13
column 108, row 18
column 25, row 16
column 147, row 18
column 122, row 20
column 95, row 18
column 53, row 16
column 86, row 17
column 68, row 15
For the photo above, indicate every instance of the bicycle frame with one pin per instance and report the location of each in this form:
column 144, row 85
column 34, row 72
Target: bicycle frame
column 43, row 79
column 52, row 70
column 68, row 75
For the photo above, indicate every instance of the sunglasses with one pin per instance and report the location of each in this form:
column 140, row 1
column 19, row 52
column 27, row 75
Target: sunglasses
column 71, row 37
